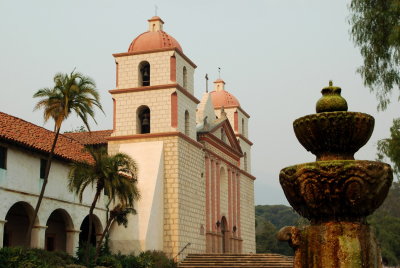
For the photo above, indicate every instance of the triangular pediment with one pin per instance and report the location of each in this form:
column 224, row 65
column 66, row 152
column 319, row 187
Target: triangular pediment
column 223, row 127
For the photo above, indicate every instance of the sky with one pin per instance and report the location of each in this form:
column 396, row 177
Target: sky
column 275, row 57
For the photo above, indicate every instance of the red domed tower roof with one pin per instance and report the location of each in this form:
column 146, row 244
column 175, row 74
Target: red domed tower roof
column 222, row 98
column 154, row 39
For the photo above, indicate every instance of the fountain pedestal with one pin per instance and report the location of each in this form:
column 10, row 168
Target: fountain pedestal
column 336, row 193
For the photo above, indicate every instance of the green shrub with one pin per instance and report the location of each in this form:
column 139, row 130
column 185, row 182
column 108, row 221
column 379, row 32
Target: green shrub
column 156, row 259
column 18, row 257
column 109, row 261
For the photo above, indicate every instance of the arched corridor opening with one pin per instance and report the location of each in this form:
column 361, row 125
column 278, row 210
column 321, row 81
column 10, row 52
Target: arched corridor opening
column 96, row 229
column 18, row 219
column 56, row 237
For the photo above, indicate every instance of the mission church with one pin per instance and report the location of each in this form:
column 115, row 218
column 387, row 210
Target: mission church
column 194, row 159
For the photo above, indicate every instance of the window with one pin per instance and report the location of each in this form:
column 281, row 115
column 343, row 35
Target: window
column 245, row 161
column 187, row 125
column 184, row 77
column 42, row 168
column 243, row 127
column 144, row 74
column 143, row 120
column 3, row 157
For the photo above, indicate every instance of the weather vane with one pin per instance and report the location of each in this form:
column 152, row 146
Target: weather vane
column 155, row 9
column 219, row 72
column 206, row 83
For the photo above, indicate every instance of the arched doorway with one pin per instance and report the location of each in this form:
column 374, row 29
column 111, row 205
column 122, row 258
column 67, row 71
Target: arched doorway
column 58, row 224
column 225, row 235
column 18, row 218
column 96, row 229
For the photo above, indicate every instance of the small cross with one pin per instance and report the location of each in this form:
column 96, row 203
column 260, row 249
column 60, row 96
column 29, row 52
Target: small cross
column 155, row 9
column 219, row 72
column 206, row 83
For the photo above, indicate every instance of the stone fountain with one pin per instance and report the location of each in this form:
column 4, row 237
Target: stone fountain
column 336, row 193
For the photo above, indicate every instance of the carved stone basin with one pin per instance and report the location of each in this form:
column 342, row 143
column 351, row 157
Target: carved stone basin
column 334, row 135
column 340, row 190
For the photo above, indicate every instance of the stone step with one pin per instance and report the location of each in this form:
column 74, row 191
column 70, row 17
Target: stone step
column 234, row 260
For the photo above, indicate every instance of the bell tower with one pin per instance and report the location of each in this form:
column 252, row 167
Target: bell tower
column 154, row 86
column 155, row 123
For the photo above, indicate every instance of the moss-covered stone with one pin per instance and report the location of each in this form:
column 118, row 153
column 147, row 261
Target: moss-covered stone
column 331, row 100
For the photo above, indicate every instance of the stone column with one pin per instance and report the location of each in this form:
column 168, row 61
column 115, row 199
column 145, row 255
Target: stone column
column 234, row 208
column 72, row 241
column 2, row 224
column 230, row 221
column 218, row 208
column 208, row 210
column 213, row 221
column 38, row 236
column 238, row 226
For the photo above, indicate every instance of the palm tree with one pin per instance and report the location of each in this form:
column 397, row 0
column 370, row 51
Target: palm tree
column 114, row 175
column 72, row 92
column 118, row 214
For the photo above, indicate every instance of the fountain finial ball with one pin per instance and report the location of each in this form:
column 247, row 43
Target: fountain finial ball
column 331, row 100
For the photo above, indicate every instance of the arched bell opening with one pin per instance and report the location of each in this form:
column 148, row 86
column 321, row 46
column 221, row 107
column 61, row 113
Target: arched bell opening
column 18, row 219
column 56, row 235
column 144, row 74
column 96, row 230
column 143, row 119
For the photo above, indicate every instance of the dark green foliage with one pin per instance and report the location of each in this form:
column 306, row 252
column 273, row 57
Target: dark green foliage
column 278, row 215
column 386, row 223
column 38, row 258
column 375, row 29
column 109, row 261
column 389, row 148
column 17, row 257
column 77, row 129
column 81, row 254
column 269, row 220
column 156, row 259
column 147, row 259
column 267, row 242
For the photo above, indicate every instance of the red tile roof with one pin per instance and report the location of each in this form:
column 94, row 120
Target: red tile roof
column 90, row 138
column 26, row 134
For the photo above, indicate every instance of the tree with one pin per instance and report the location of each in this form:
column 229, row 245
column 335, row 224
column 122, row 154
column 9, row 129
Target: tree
column 375, row 29
column 119, row 214
column 72, row 92
column 114, row 175
column 390, row 147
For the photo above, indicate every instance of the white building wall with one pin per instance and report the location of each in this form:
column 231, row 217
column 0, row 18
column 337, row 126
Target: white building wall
column 186, row 104
column 145, row 230
column 246, row 148
column 180, row 63
column 21, row 182
column 247, row 214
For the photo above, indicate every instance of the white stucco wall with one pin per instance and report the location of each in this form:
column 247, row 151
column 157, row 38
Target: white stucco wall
column 145, row 230
column 20, row 182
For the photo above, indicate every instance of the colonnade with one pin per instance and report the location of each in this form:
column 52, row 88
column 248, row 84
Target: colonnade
column 59, row 232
